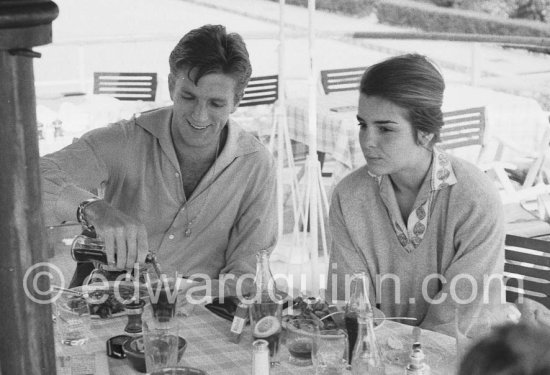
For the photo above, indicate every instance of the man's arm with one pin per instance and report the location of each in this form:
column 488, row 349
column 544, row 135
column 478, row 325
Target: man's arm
column 69, row 176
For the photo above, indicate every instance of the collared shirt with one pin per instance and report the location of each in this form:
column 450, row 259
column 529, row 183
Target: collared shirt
column 228, row 218
column 441, row 176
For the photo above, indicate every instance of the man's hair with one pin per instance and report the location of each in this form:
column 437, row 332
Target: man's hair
column 413, row 83
column 510, row 350
column 210, row 49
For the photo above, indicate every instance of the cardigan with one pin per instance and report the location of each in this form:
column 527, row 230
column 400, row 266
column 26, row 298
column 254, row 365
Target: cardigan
column 460, row 259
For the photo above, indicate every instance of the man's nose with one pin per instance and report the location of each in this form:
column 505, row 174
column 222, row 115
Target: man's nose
column 200, row 113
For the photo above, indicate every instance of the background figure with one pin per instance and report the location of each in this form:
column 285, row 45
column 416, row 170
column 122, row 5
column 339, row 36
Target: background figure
column 521, row 349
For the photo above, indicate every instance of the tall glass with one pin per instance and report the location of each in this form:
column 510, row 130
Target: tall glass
column 265, row 319
column 299, row 340
column 161, row 345
column 330, row 352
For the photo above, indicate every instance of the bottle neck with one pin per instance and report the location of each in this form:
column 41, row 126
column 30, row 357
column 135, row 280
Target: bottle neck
column 264, row 280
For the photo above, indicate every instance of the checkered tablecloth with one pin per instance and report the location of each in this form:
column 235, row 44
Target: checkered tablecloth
column 209, row 349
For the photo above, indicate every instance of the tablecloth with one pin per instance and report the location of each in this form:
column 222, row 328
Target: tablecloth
column 208, row 347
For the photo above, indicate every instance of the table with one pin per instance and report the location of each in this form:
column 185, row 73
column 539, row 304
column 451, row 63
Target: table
column 516, row 120
column 208, row 347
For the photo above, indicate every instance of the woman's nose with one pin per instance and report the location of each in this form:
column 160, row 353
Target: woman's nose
column 368, row 137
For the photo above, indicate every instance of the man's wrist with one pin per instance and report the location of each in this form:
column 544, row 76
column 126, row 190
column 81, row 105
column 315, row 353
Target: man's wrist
column 81, row 212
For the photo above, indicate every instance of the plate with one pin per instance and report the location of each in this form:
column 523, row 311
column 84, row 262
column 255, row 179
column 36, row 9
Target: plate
column 102, row 300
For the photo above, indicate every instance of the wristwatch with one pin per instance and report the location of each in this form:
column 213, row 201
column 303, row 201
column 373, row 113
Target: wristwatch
column 81, row 215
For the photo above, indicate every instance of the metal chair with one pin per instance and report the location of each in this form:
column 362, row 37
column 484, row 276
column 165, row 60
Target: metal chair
column 261, row 90
column 463, row 128
column 345, row 79
column 527, row 269
column 126, row 86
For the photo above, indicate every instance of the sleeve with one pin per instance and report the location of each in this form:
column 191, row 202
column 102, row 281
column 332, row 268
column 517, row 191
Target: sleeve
column 256, row 226
column 345, row 257
column 70, row 175
column 474, row 276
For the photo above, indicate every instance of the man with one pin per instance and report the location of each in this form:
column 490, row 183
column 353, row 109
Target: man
column 183, row 181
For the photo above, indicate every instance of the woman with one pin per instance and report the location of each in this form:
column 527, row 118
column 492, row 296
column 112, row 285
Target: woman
column 425, row 226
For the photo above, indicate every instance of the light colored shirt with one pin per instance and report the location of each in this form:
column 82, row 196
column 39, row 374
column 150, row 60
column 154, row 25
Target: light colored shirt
column 229, row 217
column 463, row 243
column 410, row 234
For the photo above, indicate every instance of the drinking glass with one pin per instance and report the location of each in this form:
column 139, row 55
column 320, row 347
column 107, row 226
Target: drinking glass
column 330, row 352
column 72, row 318
column 470, row 326
column 299, row 340
column 161, row 345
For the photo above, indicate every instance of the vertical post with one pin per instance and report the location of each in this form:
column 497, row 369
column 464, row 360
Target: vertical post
column 475, row 64
column 280, row 117
column 27, row 345
column 81, row 69
column 313, row 162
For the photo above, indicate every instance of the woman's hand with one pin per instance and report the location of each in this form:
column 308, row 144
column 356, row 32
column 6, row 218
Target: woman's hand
column 123, row 235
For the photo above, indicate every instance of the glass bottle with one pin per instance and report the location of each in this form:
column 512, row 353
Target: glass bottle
column 417, row 362
column 367, row 358
column 358, row 302
column 266, row 308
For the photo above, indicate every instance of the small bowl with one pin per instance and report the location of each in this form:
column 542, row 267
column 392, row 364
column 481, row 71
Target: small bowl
column 136, row 356
column 179, row 371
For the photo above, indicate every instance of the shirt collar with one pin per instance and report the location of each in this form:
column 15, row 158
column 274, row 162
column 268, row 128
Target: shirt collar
column 442, row 174
column 238, row 143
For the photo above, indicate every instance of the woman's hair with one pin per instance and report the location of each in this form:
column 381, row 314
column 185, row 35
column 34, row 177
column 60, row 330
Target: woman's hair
column 210, row 49
column 511, row 349
column 413, row 83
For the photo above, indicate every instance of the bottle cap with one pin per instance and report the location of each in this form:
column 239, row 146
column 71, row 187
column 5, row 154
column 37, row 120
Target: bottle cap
column 114, row 346
column 260, row 345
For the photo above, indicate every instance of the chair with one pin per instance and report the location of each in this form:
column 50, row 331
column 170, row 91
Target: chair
column 463, row 128
column 126, row 86
column 527, row 269
column 261, row 90
column 346, row 79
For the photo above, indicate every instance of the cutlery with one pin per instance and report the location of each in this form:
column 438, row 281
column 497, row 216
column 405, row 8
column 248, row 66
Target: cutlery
column 376, row 318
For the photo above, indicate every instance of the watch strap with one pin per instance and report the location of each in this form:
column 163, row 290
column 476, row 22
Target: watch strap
column 81, row 215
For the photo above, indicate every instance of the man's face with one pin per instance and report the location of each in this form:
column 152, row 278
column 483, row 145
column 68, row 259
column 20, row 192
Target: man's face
column 201, row 111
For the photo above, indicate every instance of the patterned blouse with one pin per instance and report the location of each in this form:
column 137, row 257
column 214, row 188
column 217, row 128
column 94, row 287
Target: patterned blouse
column 441, row 176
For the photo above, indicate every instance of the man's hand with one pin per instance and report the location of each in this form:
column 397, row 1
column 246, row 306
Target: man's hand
column 119, row 231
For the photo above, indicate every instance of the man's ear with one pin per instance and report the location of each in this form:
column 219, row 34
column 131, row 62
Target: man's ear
column 425, row 138
column 171, row 85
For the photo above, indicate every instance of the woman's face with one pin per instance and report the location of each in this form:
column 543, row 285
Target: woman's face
column 387, row 137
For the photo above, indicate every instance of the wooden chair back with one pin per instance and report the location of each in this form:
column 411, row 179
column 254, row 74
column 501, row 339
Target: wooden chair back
column 463, row 128
column 527, row 269
column 261, row 90
column 345, row 79
column 126, row 86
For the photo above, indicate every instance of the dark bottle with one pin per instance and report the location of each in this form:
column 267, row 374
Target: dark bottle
column 358, row 302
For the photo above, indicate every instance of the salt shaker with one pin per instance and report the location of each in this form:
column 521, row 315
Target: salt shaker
column 260, row 357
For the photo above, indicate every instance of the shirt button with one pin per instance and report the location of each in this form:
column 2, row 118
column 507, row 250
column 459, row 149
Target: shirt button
column 171, row 236
column 177, row 174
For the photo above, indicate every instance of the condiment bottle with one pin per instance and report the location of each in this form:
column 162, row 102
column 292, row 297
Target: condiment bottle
column 358, row 301
column 417, row 364
column 260, row 358
column 367, row 358
column 239, row 321
column 134, row 311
